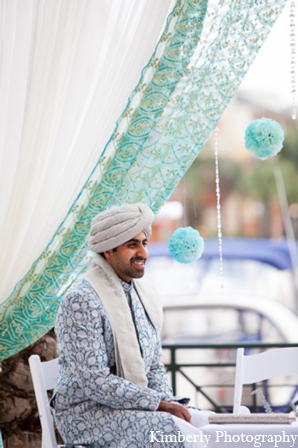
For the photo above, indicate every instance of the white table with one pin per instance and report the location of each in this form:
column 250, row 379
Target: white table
column 249, row 435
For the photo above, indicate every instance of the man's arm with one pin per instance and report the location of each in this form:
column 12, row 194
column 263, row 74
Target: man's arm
column 157, row 376
column 157, row 380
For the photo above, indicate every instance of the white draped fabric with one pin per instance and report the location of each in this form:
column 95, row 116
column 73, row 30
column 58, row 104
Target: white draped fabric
column 67, row 70
column 75, row 99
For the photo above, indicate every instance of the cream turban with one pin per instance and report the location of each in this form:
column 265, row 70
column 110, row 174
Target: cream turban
column 118, row 224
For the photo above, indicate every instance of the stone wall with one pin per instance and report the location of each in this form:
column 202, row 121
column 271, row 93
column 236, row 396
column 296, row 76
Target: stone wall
column 19, row 421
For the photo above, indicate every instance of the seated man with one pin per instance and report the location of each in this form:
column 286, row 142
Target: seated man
column 112, row 388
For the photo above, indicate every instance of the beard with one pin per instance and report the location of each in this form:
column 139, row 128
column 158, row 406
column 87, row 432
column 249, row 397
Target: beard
column 133, row 268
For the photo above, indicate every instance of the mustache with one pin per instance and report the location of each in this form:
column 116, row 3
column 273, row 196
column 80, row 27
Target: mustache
column 138, row 259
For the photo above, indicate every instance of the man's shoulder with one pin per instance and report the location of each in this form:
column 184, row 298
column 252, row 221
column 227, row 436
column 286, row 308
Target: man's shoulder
column 80, row 290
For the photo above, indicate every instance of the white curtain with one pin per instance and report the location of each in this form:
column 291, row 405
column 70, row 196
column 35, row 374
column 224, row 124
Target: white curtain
column 67, row 70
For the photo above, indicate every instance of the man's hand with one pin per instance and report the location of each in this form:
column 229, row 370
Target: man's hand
column 175, row 409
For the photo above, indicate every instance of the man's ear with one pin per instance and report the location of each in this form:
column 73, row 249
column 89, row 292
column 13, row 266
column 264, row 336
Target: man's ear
column 107, row 254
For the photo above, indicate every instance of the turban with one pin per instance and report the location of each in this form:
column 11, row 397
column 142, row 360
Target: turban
column 119, row 224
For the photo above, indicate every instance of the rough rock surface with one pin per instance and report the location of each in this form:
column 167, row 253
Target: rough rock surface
column 19, row 421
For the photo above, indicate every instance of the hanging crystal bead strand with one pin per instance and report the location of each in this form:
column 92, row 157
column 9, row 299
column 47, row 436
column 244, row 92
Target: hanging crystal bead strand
column 218, row 210
column 293, row 57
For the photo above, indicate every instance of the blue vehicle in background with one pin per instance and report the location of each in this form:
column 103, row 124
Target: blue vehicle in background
column 257, row 275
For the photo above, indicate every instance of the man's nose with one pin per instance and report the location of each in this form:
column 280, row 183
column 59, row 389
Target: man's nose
column 142, row 251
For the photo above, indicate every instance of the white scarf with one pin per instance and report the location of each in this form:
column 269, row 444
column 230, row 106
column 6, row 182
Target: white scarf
column 104, row 280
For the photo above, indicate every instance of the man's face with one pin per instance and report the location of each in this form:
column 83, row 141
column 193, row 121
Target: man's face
column 128, row 260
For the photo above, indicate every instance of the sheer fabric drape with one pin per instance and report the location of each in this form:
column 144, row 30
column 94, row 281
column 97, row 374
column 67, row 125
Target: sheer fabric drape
column 67, row 70
column 202, row 54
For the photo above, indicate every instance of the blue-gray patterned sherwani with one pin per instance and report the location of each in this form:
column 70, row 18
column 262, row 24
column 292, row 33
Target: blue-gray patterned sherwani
column 92, row 404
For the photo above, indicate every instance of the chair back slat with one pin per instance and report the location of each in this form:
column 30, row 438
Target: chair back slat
column 262, row 366
column 43, row 377
column 49, row 372
column 270, row 364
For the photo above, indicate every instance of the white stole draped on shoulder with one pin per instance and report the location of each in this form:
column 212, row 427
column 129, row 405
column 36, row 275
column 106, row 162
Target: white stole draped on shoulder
column 104, row 280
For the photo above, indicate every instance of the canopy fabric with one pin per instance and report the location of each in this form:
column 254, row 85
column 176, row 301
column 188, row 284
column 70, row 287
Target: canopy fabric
column 199, row 61
column 67, row 70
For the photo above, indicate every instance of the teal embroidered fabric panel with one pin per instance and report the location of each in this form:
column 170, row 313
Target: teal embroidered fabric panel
column 200, row 60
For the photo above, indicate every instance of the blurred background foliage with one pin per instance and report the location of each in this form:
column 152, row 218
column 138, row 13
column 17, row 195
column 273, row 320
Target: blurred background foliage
column 250, row 204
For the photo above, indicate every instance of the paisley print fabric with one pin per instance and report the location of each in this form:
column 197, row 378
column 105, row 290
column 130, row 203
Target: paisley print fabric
column 93, row 405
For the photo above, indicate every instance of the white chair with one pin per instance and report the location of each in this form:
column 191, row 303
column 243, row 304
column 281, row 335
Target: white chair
column 262, row 366
column 43, row 377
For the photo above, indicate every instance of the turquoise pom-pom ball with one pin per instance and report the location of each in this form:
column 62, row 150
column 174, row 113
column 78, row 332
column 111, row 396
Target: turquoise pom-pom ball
column 264, row 138
column 186, row 245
